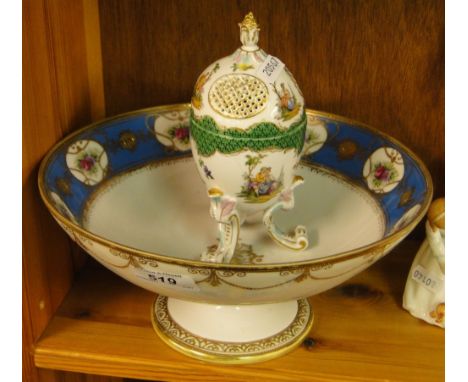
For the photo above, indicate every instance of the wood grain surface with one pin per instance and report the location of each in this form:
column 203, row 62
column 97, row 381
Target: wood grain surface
column 378, row 61
column 360, row 333
column 57, row 99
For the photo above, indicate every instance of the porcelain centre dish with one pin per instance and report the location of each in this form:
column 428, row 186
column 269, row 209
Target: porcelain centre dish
column 126, row 189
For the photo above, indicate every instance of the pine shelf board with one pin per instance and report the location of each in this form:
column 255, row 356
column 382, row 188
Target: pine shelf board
column 360, row 333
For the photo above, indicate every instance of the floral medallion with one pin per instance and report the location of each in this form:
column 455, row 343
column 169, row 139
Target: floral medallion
column 384, row 170
column 259, row 183
column 172, row 129
column 316, row 135
column 87, row 161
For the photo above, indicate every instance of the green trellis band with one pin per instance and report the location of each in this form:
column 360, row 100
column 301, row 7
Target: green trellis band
column 265, row 135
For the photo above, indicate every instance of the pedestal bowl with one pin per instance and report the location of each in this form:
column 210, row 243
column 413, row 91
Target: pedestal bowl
column 127, row 190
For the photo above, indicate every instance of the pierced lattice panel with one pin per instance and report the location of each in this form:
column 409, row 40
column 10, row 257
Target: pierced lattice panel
column 238, row 96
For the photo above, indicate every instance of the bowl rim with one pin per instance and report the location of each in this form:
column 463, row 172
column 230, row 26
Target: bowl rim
column 380, row 245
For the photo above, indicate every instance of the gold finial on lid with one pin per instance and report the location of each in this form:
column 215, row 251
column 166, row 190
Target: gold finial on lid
column 249, row 22
column 249, row 33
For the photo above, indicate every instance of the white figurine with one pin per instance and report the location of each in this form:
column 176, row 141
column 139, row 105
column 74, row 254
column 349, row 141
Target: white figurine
column 424, row 295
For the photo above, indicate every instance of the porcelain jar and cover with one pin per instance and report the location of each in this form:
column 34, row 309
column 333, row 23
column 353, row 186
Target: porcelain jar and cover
column 247, row 131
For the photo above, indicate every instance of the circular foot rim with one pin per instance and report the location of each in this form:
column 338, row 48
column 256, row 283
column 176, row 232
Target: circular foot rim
column 222, row 352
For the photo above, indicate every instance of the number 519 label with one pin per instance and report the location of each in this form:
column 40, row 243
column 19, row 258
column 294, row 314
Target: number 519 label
column 170, row 280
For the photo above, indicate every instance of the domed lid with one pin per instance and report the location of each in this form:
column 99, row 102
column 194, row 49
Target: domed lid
column 248, row 87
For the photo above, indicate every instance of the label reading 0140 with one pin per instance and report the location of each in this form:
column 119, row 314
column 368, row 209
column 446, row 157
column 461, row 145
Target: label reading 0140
column 425, row 278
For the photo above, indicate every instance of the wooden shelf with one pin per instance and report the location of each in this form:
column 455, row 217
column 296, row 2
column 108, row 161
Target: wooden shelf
column 360, row 332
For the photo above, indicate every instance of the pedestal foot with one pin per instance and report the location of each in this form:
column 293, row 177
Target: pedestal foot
column 232, row 334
